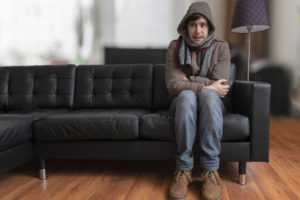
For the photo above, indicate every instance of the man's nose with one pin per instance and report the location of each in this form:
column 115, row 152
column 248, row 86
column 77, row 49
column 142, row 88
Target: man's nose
column 198, row 29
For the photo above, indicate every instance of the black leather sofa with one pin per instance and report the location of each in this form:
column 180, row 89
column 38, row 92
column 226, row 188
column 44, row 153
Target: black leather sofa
column 113, row 112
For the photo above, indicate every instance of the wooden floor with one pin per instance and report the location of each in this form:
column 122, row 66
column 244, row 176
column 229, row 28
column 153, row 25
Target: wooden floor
column 95, row 180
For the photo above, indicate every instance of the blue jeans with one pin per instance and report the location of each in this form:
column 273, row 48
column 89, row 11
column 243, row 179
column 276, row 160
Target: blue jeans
column 207, row 108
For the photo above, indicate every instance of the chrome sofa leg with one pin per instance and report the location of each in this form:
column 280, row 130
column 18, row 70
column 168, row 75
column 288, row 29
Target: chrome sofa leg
column 43, row 169
column 242, row 173
column 43, row 174
column 242, row 179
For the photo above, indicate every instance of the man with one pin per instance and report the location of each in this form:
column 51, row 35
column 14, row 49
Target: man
column 197, row 70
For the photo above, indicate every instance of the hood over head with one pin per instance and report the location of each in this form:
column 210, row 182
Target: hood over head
column 197, row 7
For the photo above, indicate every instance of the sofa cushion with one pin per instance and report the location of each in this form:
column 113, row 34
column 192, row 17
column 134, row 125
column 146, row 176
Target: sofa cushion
column 37, row 114
column 32, row 87
column 114, row 86
column 158, row 126
column 94, row 124
column 14, row 129
column 235, row 127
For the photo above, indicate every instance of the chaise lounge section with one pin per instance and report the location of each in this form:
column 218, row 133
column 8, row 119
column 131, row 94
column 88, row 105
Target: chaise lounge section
column 27, row 94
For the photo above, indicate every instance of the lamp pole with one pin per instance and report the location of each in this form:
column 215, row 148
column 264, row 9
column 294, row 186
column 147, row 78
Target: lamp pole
column 249, row 16
column 249, row 28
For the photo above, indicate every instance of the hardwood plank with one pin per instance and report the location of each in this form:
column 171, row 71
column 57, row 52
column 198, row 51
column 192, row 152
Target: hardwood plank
column 271, row 186
column 228, row 172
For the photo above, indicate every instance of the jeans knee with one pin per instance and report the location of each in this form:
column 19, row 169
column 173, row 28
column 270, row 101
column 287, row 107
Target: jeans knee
column 187, row 99
column 208, row 93
column 209, row 97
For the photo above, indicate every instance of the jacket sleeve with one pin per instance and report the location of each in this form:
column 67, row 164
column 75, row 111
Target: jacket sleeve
column 176, row 79
column 220, row 65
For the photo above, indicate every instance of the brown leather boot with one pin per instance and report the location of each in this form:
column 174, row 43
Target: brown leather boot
column 211, row 188
column 179, row 186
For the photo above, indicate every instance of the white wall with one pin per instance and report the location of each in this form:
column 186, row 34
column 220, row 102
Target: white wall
column 151, row 23
column 142, row 23
column 36, row 32
column 284, row 40
column 32, row 29
column 285, row 34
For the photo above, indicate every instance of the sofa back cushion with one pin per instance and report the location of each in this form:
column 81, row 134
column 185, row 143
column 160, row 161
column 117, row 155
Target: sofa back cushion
column 161, row 97
column 27, row 88
column 114, row 86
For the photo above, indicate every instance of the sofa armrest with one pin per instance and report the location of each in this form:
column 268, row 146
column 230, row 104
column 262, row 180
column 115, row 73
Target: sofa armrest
column 252, row 99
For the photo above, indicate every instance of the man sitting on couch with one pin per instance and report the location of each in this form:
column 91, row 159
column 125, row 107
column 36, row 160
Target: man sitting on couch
column 197, row 70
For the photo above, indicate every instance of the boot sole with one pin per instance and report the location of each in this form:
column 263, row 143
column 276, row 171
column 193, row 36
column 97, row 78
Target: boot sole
column 184, row 198
column 219, row 197
column 176, row 199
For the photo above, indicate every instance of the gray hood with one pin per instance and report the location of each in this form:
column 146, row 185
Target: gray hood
column 197, row 7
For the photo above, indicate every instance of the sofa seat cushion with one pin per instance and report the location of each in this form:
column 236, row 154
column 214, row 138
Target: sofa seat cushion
column 14, row 129
column 39, row 113
column 158, row 126
column 235, row 127
column 15, row 126
column 93, row 124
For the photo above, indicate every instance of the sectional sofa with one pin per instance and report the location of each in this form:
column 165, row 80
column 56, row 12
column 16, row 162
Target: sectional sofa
column 113, row 112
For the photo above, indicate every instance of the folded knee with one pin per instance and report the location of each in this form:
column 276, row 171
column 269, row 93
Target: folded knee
column 187, row 98
column 209, row 96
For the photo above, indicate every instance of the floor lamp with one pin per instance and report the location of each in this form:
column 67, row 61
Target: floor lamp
column 249, row 16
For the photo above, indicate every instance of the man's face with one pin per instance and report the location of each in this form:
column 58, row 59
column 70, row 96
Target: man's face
column 198, row 30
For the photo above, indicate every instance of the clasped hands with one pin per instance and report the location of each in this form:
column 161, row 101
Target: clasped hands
column 220, row 86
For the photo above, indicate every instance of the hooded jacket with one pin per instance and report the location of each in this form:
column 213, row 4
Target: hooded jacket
column 180, row 78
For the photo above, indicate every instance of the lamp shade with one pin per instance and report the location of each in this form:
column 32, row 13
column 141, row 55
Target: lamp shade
column 250, row 13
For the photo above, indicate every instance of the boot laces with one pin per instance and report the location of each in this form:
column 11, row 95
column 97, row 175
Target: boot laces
column 181, row 175
column 211, row 176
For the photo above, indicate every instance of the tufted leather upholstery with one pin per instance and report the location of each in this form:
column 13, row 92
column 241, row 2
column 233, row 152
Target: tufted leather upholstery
column 33, row 87
column 28, row 93
column 112, row 86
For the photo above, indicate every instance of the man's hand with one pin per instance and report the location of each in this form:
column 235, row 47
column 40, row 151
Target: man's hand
column 220, row 86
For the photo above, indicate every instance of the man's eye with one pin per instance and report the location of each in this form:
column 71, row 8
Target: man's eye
column 203, row 25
